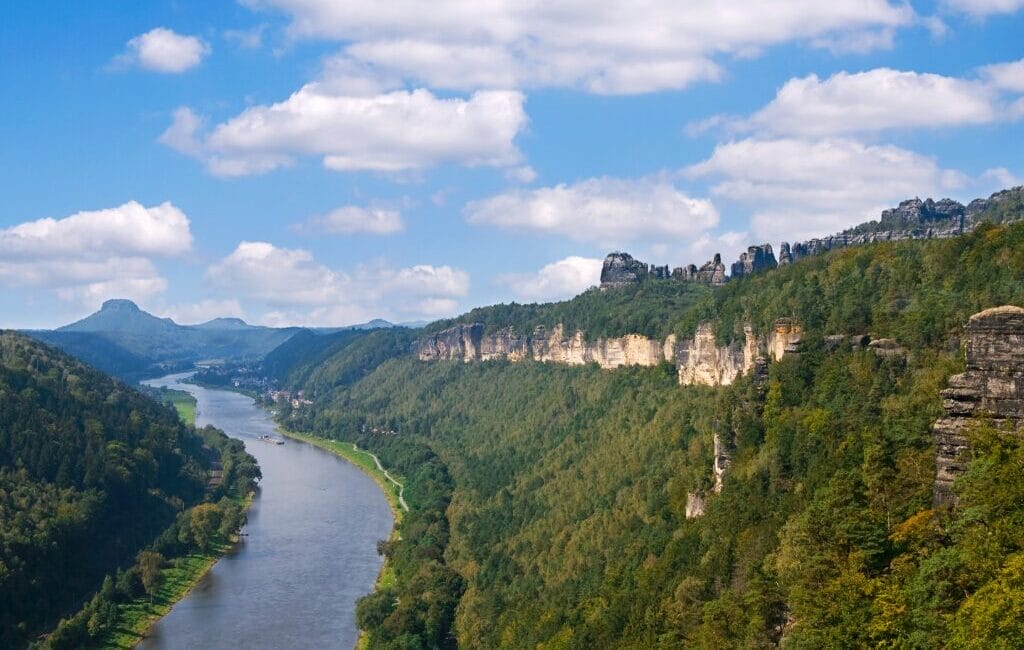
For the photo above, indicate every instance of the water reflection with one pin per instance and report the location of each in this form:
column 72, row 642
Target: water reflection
column 309, row 553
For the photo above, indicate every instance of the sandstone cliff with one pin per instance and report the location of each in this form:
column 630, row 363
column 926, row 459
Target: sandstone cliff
column 469, row 343
column 992, row 388
column 699, row 360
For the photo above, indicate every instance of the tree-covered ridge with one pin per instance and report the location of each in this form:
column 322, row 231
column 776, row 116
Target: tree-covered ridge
column 918, row 292
column 650, row 308
column 567, row 522
column 91, row 471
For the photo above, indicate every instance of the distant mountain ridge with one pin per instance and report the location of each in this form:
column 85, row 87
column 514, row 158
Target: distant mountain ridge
column 126, row 341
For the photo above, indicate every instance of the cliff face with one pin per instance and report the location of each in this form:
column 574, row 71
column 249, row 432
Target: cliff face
column 699, row 360
column 468, row 343
column 992, row 387
column 755, row 260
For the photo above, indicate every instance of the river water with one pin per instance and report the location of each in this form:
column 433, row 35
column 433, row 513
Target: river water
column 309, row 550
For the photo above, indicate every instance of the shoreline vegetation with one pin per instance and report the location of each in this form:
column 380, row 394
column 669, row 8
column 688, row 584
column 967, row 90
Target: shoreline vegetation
column 127, row 621
column 136, row 618
column 391, row 487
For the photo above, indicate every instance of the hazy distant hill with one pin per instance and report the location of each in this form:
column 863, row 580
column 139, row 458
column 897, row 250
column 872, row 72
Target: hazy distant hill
column 128, row 342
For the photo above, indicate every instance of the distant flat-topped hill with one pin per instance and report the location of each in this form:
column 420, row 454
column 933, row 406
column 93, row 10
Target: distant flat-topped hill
column 124, row 340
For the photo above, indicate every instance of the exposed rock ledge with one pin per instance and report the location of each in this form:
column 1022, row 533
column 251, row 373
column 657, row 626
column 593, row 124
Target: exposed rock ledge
column 700, row 360
column 992, row 387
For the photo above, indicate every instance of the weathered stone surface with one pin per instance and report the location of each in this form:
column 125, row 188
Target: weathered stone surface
column 699, row 360
column 785, row 255
column 722, row 461
column 461, row 342
column 620, row 269
column 694, row 505
column 755, row 260
column 887, row 348
column 505, row 344
column 785, row 338
column 713, row 272
column 992, row 387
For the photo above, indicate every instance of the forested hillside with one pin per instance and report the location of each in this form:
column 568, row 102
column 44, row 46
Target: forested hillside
column 551, row 505
column 649, row 308
column 91, row 472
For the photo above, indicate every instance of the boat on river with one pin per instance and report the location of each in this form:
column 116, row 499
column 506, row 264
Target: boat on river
column 271, row 439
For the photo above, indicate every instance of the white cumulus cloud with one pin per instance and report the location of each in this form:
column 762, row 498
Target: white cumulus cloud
column 606, row 211
column 93, row 255
column 163, row 50
column 353, row 219
column 390, row 132
column 874, row 100
column 1005, row 76
column 556, row 281
column 799, row 188
column 635, row 46
column 302, row 291
column 982, row 8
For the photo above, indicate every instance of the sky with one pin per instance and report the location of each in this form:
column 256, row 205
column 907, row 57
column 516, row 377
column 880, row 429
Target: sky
column 318, row 162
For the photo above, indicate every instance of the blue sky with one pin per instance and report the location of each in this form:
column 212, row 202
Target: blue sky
column 324, row 163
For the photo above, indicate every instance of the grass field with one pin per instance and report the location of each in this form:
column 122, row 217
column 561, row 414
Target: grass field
column 184, row 403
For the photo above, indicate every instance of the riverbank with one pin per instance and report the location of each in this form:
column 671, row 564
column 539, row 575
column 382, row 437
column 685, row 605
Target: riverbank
column 393, row 488
column 132, row 620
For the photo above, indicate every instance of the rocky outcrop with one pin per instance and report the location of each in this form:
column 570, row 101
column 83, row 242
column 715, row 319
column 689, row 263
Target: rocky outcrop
column 699, row 360
column 505, row 344
column 755, row 260
column 620, row 269
column 887, row 349
column 461, row 342
column 702, row 361
column 785, row 338
column 911, row 219
column 722, row 461
column 468, row 343
column 694, row 505
column 992, row 388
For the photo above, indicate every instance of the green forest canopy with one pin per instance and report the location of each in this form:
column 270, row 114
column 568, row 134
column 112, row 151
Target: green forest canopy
column 550, row 511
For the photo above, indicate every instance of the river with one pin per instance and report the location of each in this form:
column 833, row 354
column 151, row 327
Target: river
column 308, row 553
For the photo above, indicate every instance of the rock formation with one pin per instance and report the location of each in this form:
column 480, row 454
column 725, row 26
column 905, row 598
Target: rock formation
column 991, row 388
column 694, row 505
column 469, row 343
column 699, row 360
column 755, row 260
column 461, row 342
column 620, row 269
column 785, row 338
column 702, row 361
column 722, row 461
column 911, row 219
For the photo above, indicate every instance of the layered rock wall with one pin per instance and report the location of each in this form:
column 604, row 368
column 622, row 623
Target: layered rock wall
column 991, row 389
column 701, row 360
column 468, row 343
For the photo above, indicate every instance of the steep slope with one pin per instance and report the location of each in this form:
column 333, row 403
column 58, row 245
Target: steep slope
column 91, row 472
column 587, row 508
